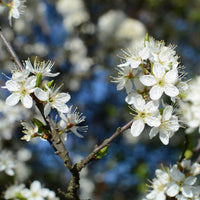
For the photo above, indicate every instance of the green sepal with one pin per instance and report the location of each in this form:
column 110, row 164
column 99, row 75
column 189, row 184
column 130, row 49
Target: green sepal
column 102, row 152
column 38, row 80
column 146, row 39
column 188, row 154
column 161, row 110
column 152, row 68
column 40, row 125
column 49, row 84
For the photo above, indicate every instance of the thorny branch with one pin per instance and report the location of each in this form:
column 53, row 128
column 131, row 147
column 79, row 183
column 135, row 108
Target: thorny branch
column 56, row 142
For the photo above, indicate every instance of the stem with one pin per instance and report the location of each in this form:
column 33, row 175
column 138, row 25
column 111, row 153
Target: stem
column 106, row 142
column 186, row 143
column 75, row 170
column 11, row 51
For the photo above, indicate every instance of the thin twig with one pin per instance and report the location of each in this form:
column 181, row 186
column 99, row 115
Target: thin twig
column 186, row 143
column 105, row 143
column 11, row 50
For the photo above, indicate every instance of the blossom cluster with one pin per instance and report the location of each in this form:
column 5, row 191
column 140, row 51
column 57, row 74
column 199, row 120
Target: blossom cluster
column 36, row 191
column 189, row 106
column 178, row 181
column 150, row 74
column 28, row 85
column 15, row 9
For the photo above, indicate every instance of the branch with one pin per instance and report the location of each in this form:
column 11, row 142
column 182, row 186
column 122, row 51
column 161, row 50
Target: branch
column 11, row 50
column 105, row 143
column 75, row 170
column 56, row 142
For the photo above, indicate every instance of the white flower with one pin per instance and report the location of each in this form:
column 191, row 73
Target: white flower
column 138, row 56
column 190, row 105
column 161, row 81
column 180, row 183
column 54, row 99
column 175, row 182
column 20, row 91
column 30, row 131
column 146, row 113
column 36, row 192
column 70, row 121
column 124, row 79
column 14, row 191
column 169, row 125
column 16, row 7
column 7, row 163
column 43, row 68
column 158, row 192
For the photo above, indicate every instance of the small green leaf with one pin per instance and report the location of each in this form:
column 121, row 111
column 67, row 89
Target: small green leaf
column 40, row 125
column 152, row 67
column 188, row 154
column 49, row 84
column 102, row 152
column 146, row 39
column 39, row 79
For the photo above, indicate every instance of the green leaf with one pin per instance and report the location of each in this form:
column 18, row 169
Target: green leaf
column 49, row 84
column 188, row 154
column 40, row 125
column 146, row 39
column 102, row 152
column 39, row 79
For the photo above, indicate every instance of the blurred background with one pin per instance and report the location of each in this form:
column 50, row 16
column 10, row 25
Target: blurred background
column 84, row 38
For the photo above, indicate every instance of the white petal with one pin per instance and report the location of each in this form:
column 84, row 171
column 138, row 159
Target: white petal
column 171, row 76
column 41, row 94
column 148, row 80
column 10, row 172
column 61, row 107
column 158, row 71
column 139, row 102
column 63, row 97
column 190, row 180
column 137, row 127
column 187, row 191
column 27, row 101
column 130, row 99
column 171, row 90
column 30, row 82
column 12, row 85
column 156, row 92
column 167, row 113
column 47, row 109
column 29, row 66
column 176, row 174
column 154, row 131
column 173, row 189
column 13, row 99
column 121, row 84
column 151, row 106
column 35, row 186
column 128, row 86
column 134, row 63
column 151, row 195
column 16, row 13
column 153, row 120
column 164, row 138
column 74, row 130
